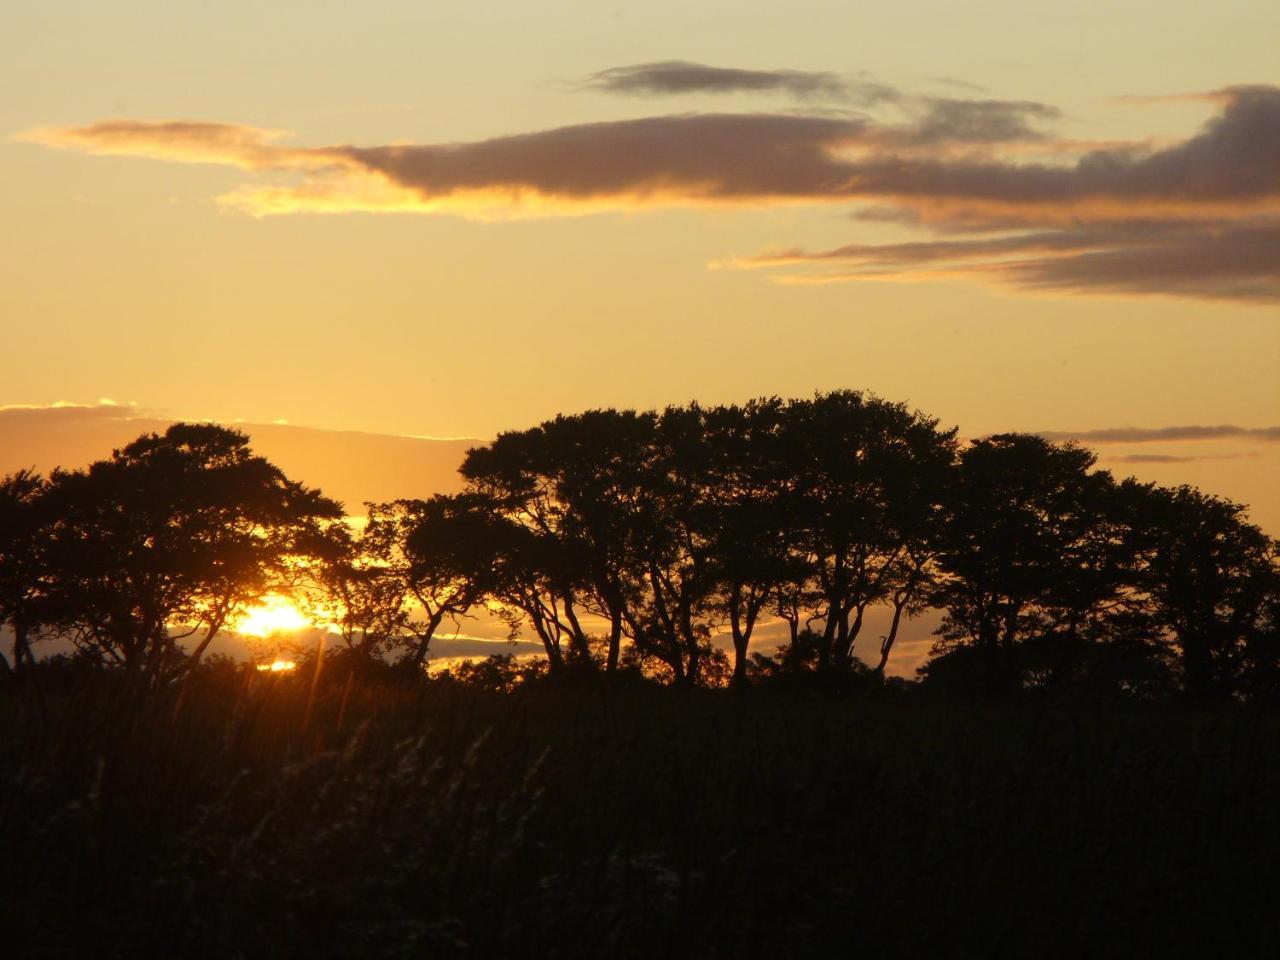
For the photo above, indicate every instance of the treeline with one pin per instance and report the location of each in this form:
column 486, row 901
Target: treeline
column 628, row 540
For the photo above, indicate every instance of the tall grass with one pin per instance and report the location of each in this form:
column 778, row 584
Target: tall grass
column 439, row 819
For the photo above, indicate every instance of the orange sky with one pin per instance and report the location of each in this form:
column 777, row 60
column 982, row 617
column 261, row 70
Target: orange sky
column 450, row 219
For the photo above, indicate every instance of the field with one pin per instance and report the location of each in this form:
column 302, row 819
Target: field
column 242, row 816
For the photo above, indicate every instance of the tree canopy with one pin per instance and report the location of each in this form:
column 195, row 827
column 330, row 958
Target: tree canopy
column 168, row 539
column 659, row 541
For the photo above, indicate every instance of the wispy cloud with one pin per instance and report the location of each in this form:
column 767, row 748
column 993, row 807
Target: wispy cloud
column 675, row 77
column 1175, row 458
column 929, row 120
column 1189, row 433
column 187, row 141
column 1215, row 260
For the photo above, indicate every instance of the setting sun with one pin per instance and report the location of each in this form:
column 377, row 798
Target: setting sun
column 276, row 614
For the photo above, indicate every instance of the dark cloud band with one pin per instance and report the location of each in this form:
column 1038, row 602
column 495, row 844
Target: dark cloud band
column 674, row 77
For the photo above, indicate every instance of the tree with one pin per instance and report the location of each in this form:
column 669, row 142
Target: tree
column 418, row 569
column 170, row 538
column 358, row 596
column 749, row 488
column 23, row 522
column 1210, row 579
column 674, row 574
column 524, row 571
column 1031, row 548
column 868, row 491
column 576, row 481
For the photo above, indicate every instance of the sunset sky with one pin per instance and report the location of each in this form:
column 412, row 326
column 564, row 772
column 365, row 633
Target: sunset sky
column 449, row 219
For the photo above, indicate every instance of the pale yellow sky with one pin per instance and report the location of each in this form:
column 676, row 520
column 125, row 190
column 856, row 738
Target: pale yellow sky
column 126, row 278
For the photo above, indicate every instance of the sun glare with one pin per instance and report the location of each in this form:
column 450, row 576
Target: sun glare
column 277, row 666
column 276, row 614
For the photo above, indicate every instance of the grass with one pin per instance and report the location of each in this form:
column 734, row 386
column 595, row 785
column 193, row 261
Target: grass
column 440, row 819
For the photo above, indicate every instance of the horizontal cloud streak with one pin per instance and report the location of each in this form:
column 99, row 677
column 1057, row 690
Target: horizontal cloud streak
column 185, row 141
column 934, row 120
column 1220, row 260
column 351, row 466
column 1240, row 263
column 1167, row 434
column 1172, row 458
column 674, row 77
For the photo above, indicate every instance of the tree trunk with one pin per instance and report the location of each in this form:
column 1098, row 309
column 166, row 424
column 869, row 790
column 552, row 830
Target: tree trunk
column 424, row 639
column 215, row 625
column 740, row 641
column 579, row 649
column 886, row 645
column 21, row 647
column 846, row 637
column 615, row 641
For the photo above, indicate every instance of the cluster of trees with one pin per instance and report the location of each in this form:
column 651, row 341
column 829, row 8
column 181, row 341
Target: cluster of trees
column 626, row 540
column 143, row 558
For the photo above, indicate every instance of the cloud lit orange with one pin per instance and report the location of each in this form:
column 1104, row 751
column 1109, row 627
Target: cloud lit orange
column 1199, row 217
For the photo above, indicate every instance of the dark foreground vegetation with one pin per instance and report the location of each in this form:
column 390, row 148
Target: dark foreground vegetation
column 244, row 815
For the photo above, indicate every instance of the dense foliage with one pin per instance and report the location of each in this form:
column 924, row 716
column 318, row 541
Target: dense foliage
column 633, row 540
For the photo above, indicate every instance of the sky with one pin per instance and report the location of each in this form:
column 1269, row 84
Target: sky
column 450, row 219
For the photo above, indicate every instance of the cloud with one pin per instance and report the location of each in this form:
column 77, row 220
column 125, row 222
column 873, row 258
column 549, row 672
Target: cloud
column 104, row 407
column 933, row 120
column 463, row 646
column 948, row 120
column 1233, row 165
column 1189, row 433
column 1171, row 458
column 350, row 466
column 958, row 84
column 674, row 77
column 1195, row 218
column 186, row 141
column 1220, row 260
column 1240, row 263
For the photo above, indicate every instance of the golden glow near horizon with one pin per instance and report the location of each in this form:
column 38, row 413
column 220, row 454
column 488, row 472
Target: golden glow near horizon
column 277, row 666
column 276, row 614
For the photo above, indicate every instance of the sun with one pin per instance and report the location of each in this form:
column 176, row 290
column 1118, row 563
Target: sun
column 275, row 614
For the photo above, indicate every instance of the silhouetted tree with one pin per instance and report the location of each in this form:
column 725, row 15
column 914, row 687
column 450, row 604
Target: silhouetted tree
column 169, row 538
column 798, row 656
column 675, row 575
column 1210, row 580
column 359, row 596
column 749, row 489
column 576, row 480
column 1032, row 549
column 24, row 519
column 417, row 580
column 471, row 537
column 869, row 482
